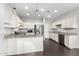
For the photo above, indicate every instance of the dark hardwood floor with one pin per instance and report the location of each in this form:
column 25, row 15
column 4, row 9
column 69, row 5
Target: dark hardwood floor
column 51, row 48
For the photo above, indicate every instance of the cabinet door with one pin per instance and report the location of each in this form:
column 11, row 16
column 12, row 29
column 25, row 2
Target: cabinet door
column 20, row 46
column 67, row 40
column 54, row 36
column 68, row 23
column 34, row 44
column 29, row 45
column 50, row 36
column 63, row 23
column 12, row 46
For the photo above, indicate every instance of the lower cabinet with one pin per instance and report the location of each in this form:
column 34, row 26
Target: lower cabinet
column 11, row 46
column 20, row 46
column 60, row 38
column 24, row 45
column 70, row 41
column 33, row 44
column 54, row 36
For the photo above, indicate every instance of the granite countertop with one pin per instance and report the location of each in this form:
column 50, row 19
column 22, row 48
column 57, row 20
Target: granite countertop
column 12, row 35
column 64, row 32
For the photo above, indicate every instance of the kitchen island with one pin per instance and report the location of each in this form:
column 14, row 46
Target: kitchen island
column 12, row 44
column 16, row 45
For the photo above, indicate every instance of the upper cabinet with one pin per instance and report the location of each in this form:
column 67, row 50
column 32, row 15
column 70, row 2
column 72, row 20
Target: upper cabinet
column 65, row 23
column 69, row 23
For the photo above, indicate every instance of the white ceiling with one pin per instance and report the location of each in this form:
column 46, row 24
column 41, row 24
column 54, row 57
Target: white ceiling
column 61, row 7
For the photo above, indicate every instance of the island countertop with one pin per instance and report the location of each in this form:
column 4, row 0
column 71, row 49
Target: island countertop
column 64, row 32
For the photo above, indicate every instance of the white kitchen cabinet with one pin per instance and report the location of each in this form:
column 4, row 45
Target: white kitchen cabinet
column 71, row 41
column 51, row 36
column 12, row 46
column 20, row 45
column 54, row 36
column 33, row 44
column 66, row 23
column 67, row 41
column 69, row 23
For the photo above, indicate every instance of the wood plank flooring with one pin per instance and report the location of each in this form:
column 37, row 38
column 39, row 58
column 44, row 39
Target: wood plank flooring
column 51, row 48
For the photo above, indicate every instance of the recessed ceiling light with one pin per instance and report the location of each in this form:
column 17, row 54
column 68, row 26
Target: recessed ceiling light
column 42, row 9
column 55, row 11
column 27, row 14
column 26, row 7
column 49, row 16
column 38, row 15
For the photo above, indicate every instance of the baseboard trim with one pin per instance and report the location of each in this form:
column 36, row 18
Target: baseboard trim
column 27, row 54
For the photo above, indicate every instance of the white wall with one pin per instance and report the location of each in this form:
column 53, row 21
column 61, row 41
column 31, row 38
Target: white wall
column 1, row 27
column 9, row 17
column 1, row 17
column 32, row 20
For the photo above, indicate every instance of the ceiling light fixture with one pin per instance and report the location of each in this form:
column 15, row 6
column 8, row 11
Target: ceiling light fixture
column 13, row 10
column 48, row 10
column 36, row 10
column 55, row 11
column 26, row 7
column 42, row 9
column 38, row 15
column 28, row 14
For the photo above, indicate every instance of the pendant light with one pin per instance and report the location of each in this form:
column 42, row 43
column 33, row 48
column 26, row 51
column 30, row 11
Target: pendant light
column 13, row 11
column 14, row 8
column 36, row 10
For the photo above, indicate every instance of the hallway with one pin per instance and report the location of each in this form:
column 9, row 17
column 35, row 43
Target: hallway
column 53, row 49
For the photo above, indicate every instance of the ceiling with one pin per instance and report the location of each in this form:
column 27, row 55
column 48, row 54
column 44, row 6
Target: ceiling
column 49, row 9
